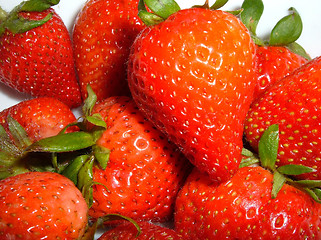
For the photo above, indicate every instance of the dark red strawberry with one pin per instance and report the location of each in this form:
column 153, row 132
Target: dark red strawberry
column 38, row 60
column 41, row 206
column 144, row 171
column 102, row 35
column 147, row 231
column 192, row 75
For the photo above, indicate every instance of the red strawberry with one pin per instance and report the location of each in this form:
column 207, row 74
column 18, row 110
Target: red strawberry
column 39, row 61
column 102, row 35
column 147, row 231
column 294, row 104
column 41, row 205
column 144, row 171
column 192, row 76
column 40, row 117
column 242, row 208
column 274, row 63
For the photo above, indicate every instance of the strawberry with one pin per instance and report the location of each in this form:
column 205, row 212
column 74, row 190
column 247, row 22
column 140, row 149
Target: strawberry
column 41, row 205
column 36, row 54
column 294, row 104
column 144, row 171
column 102, row 35
column 242, row 208
column 280, row 54
column 147, row 231
column 192, row 76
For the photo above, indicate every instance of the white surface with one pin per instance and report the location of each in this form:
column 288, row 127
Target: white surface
column 274, row 10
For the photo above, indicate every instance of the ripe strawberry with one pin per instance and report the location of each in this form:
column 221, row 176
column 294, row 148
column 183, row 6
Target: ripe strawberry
column 102, row 35
column 147, row 231
column 294, row 104
column 43, row 205
column 242, row 208
column 40, row 117
column 280, row 55
column 144, row 171
column 192, row 76
column 38, row 61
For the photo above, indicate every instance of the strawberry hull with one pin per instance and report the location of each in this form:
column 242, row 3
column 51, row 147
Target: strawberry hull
column 195, row 85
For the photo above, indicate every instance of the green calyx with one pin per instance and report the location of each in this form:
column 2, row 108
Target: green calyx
column 16, row 24
column 267, row 155
column 285, row 33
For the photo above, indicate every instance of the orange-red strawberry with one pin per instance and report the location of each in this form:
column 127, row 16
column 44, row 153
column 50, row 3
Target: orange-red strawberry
column 242, row 208
column 102, row 35
column 40, row 117
column 294, row 104
column 147, row 231
column 192, row 76
column 144, row 171
column 38, row 61
column 41, row 206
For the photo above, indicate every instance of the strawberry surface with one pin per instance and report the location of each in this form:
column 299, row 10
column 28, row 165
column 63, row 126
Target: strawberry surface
column 294, row 104
column 102, row 35
column 242, row 208
column 192, row 75
column 144, row 171
column 39, row 205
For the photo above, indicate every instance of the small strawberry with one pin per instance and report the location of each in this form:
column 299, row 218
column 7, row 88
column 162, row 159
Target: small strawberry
column 146, row 230
column 36, row 53
column 41, row 205
column 102, row 35
column 192, row 76
column 253, row 204
column 294, row 104
column 280, row 54
column 144, row 171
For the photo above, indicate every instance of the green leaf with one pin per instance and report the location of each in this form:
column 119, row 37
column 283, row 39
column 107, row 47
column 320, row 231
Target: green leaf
column 218, row 4
column 90, row 101
column 37, row 5
column 20, row 136
column 308, row 183
column 287, row 30
column 278, row 182
column 293, row 169
column 268, row 146
column 97, row 120
column 298, row 49
column 102, row 155
column 314, row 193
column 7, row 144
column 162, row 8
column 72, row 170
column 63, row 143
column 149, row 19
column 85, row 180
column 251, row 14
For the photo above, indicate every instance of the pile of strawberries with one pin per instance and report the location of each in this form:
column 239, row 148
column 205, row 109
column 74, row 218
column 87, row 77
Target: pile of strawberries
column 192, row 126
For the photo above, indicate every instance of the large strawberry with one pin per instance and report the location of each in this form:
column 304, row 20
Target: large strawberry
column 294, row 104
column 36, row 53
column 144, row 171
column 253, row 204
column 41, row 205
column 280, row 54
column 192, row 76
column 102, row 35
column 146, row 230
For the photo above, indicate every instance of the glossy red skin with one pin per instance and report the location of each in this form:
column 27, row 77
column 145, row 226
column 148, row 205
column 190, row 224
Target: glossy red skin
column 39, row 205
column 40, row 61
column 294, row 104
column 242, row 208
column 128, row 231
column 102, row 36
column 274, row 63
column 144, row 171
column 194, row 86
column 40, row 117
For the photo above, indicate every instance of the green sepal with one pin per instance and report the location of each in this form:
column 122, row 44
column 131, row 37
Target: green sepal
column 90, row 101
column 148, row 18
column 294, row 169
column 251, row 14
column 72, row 170
column 7, row 145
column 314, row 193
column 250, row 158
column 308, row 183
column 268, row 146
column 287, row 30
column 85, row 180
column 102, row 155
column 162, row 8
column 63, row 143
column 96, row 120
column 298, row 49
column 278, row 182
column 37, row 5
column 19, row 134
column 218, row 4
